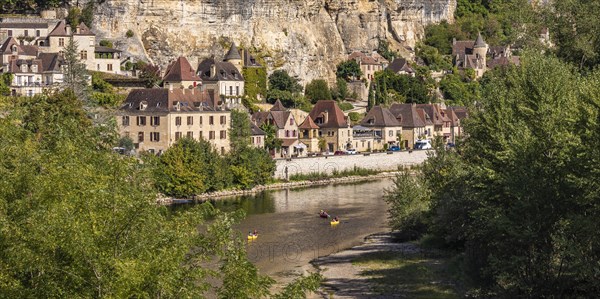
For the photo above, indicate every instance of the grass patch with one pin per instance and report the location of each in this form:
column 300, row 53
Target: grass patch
column 315, row 176
column 414, row 275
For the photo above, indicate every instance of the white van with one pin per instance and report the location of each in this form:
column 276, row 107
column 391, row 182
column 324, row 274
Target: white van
column 423, row 144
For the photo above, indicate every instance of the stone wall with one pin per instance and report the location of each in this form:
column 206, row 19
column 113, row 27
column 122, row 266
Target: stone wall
column 378, row 161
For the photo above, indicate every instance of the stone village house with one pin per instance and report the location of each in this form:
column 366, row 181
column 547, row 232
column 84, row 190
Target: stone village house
column 286, row 129
column 156, row 118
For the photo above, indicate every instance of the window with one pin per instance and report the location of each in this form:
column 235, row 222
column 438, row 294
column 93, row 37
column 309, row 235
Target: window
column 190, row 120
column 26, row 32
column 211, row 135
column 61, row 42
column 294, row 133
column 200, row 120
column 155, row 136
column 177, row 136
column 83, row 55
column 200, row 135
column 125, row 120
column 92, row 41
column 222, row 150
column 237, row 90
column 230, row 90
column 9, row 32
column 391, row 133
column 37, row 33
column 223, row 120
column 178, row 121
column 155, row 121
column 98, row 67
column 211, row 120
column 190, row 134
column 223, row 134
column 291, row 121
column 141, row 121
column 253, row 140
column 109, row 67
column 141, row 137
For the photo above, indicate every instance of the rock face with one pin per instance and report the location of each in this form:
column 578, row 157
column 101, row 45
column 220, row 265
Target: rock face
column 305, row 37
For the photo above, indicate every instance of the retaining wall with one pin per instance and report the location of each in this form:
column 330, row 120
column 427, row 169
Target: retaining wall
column 379, row 161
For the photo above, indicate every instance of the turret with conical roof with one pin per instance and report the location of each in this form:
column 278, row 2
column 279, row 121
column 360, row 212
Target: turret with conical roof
column 480, row 49
column 233, row 56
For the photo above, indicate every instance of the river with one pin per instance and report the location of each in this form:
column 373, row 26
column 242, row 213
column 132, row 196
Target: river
column 291, row 233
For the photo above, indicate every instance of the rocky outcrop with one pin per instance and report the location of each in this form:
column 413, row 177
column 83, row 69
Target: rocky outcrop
column 305, row 37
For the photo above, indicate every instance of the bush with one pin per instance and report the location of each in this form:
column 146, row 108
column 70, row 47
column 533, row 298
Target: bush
column 106, row 43
column 354, row 116
column 129, row 33
column 346, row 106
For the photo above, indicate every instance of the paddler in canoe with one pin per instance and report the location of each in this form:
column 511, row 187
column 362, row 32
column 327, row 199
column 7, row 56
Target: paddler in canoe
column 253, row 235
column 323, row 214
column 335, row 220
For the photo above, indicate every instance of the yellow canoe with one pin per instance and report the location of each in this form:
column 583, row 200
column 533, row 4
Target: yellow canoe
column 334, row 222
column 252, row 237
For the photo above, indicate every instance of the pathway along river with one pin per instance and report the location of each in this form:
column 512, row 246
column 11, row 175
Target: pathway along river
column 291, row 233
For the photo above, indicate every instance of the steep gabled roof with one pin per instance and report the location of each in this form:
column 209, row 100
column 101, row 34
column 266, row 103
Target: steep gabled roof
column 379, row 117
column 256, row 130
column 335, row 116
column 51, row 62
column 180, row 70
column 60, row 29
column 6, row 47
column 434, row 114
column 278, row 106
column 83, row 29
column 400, row 64
column 407, row 115
column 224, row 71
column 308, row 123
column 426, row 118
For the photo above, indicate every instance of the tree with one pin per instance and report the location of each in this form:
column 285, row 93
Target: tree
column 150, row 73
column 408, row 202
column 240, row 131
column 348, row 70
column 5, row 83
column 317, row 90
column 280, row 80
column 384, row 49
column 271, row 140
column 75, row 75
column 322, row 144
column 341, row 89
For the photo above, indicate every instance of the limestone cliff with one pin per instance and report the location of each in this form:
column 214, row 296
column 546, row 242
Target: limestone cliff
column 305, row 37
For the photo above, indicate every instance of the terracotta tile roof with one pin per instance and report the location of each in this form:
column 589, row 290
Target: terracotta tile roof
column 278, row 106
column 286, row 142
column 15, row 65
column 60, row 29
column 180, row 70
column 461, row 112
column 261, row 117
column 165, row 100
column 308, row 123
column 379, row 117
column 503, row 61
column 462, row 47
column 224, row 71
column 424, row 117
column 454, row 120
column 407, row 115
column 434, row 114
column 83, row 29
column 331, row 111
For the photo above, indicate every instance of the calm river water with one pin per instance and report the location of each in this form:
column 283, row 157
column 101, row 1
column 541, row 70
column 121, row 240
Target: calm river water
column 290, row 231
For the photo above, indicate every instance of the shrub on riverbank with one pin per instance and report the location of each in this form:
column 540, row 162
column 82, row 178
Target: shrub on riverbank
column 315, row 176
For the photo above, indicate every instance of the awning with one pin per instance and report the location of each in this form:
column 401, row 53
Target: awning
column 288, row 142
column 300, row 146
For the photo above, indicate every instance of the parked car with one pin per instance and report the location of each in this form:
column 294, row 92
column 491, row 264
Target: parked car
column 423, row 144
column 394, row 148
column 338, row 153
column 351, row 152
column 327, row 153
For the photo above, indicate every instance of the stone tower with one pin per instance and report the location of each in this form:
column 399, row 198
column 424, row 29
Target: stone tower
column 234, row 57
column 480, row 49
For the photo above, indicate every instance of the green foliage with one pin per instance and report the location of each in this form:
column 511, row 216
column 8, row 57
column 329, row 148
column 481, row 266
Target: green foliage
column 129, row 33
column 75, row 75
column 107, row 100
column 384, row 50
column 575, row 29
column 76, row 15
column 459, row 90
column 391, row 87
column 251, row 167
column 345, row 106
column 340, row 92
column 289, row 100
column 408, row 202
column 240, row 132
column 432, row 58
column 255, row 82
column 348, row 70
column 280, row 80
column 106, row 43
column 322, row 144
column 126, row 143
column 150, row 73
column 297, row 289
column 98, row 84
column 5, row 83
column 317, row 90
column 354, row 116
column 271, row 140
column 316, row 176
column 517, row 195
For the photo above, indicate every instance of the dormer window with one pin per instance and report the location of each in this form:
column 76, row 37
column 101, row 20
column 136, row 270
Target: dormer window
column 176, row 105
column 143, row 105
column 23, row 68
column 14, row 48
column 34, row 68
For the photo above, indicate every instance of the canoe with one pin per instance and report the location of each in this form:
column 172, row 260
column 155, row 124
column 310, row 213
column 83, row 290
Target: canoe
column 252, row 237
column 323, row 215
column 334, row 222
